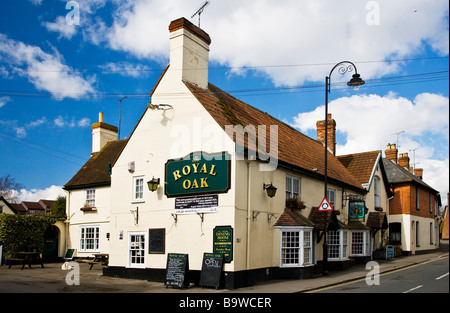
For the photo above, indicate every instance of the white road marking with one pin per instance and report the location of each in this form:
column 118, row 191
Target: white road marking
column 442, row 276
column 412, row 289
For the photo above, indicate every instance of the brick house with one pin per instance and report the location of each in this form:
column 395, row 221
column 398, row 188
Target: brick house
column 414, row 207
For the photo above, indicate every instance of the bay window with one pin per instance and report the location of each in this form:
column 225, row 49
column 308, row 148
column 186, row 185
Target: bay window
column 296, row 247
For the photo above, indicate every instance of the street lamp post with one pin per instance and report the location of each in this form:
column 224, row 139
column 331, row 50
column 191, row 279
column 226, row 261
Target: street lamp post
column 355, row 82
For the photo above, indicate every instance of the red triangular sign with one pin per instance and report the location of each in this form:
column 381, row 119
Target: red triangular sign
column 325, row 205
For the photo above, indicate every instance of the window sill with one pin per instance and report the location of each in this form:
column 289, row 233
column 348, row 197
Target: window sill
column 295, row 265
column 88, row 209
column 137, row 201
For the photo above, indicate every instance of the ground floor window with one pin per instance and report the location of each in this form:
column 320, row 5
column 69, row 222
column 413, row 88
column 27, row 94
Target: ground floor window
column 296, row 247
column 395, row 233
column 89, row 238
column 360, row 243
column 136, row 250
column 337, row 245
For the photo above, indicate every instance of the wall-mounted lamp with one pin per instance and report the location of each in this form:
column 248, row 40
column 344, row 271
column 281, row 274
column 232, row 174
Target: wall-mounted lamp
column 162, row 107
column 153, row 184
column 270, row 189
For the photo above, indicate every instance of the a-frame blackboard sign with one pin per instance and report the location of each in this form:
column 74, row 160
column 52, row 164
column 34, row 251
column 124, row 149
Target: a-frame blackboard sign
column 211, row 273
column 177, row 270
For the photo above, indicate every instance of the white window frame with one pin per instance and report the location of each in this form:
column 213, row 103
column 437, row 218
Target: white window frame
column 331, row 196
column 376, row 191
column 290, row 192
column 363, row 243
column 142, row 253
column 90, row 197
column 342, row 244
column 94, row 236
column 299, row 251
column 135, row 191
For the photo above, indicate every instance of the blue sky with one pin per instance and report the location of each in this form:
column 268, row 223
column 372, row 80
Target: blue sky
column 55, row 75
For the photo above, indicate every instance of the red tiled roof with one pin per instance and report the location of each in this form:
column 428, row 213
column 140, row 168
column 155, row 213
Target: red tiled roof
column 291, row 218
column 294, row 148
column 360, row 164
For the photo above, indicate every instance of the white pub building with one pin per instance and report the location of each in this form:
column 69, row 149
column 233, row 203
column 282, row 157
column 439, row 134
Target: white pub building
column 204, row 172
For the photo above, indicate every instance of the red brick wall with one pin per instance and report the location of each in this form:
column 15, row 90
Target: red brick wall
column 404, row 201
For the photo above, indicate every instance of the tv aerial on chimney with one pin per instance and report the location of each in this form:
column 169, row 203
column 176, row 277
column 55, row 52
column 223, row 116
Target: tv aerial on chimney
column 200, row 11
column 398, row 134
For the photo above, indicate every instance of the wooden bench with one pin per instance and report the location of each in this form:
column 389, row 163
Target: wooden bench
column 101, row 258
column 25, row 258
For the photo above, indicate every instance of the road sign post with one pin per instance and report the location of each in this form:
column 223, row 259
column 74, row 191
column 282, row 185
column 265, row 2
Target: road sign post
column 325, row 207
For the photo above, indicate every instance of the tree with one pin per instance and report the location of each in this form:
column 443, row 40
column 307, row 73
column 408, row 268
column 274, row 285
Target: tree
column 9, row 189
column 58, row 208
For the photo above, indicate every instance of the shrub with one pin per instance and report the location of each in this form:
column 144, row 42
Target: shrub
column 20, row 231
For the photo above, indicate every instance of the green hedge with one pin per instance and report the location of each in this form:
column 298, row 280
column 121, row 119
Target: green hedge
column 20, row 231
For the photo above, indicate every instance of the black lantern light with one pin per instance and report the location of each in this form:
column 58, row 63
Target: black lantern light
column 153, row 184
column 270, row 189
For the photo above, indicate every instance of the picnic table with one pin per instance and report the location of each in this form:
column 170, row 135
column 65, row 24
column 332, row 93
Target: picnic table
column 26, row 258
column 100, row 258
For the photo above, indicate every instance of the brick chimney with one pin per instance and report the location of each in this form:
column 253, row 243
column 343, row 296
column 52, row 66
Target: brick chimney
column 403, row 160
column 331, row 133
column 189, row 52
column 419, row 173
column 102, row 133
column 391, row 152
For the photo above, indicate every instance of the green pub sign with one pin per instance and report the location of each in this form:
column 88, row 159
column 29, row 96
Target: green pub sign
column 223, row 242
column 198, row 173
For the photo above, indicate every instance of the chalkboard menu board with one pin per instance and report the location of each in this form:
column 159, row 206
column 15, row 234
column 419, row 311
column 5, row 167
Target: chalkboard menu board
column 69, row 254
column 211, row 270
column 156, row 242
column 176, row 270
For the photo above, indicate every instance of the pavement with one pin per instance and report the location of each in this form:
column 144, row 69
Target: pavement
column 52, row 279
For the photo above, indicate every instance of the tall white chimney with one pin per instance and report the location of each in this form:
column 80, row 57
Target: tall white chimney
column 102, row 133
column 189, row 52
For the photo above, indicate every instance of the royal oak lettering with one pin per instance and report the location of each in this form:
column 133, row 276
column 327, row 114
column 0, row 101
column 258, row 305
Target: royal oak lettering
column 197, row 174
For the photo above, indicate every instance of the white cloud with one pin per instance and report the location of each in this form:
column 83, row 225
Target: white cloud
column 38, row 122
column 20, row 132
column 369, row 122
column 36, row 2
column 62, row 122
column 290, row 32
column 125, row 69
column 4, row 100
column 60, row 26
column 50, row 193
column 84, row 122
column 45, row 71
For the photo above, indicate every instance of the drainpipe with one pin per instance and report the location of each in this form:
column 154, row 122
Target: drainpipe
column 66, row 244
column 249, row 213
